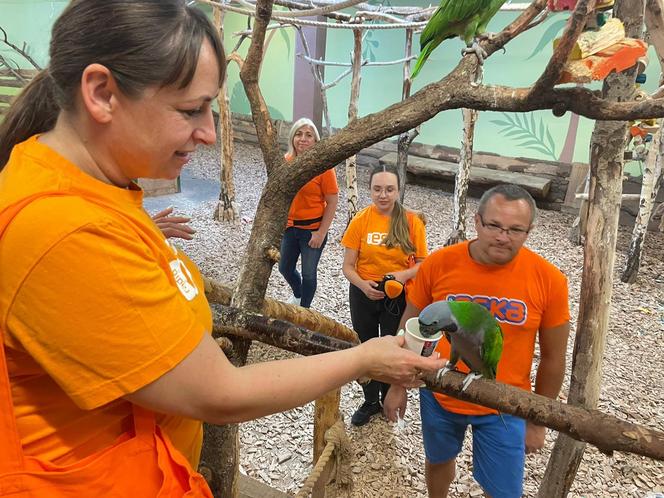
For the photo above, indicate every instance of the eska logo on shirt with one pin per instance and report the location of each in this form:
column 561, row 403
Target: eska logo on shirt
column 513, row 311
column 376, row 238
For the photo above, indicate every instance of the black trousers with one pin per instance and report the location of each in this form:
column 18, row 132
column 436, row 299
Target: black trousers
column 373, row 319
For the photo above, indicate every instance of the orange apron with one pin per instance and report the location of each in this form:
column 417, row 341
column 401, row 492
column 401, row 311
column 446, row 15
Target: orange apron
column 143, row 464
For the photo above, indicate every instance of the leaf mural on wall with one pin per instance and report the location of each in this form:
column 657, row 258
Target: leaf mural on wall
column 369, row 46
column 524, row 129
column 548, row 36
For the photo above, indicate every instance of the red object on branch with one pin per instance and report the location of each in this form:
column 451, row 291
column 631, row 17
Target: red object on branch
column 560, row 5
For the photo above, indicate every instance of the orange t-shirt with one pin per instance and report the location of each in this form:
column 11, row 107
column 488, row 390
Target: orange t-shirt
column 525, row 295
column 306, row 210
column 95, row 304
column 366, row 234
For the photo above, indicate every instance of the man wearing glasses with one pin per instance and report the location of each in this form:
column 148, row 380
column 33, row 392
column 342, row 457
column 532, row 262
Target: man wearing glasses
column 529, row 297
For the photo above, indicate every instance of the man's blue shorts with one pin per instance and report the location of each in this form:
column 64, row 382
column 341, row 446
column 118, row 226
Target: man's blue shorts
column 499, row 454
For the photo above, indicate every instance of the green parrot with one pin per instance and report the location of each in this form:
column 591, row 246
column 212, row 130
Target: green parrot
column 473, row 333
column 464, row 18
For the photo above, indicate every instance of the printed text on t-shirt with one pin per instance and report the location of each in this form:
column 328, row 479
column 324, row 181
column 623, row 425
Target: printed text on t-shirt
column 512, row 311
column 376, row 238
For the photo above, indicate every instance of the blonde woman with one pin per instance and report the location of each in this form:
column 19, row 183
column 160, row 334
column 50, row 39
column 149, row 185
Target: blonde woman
column 310, row 216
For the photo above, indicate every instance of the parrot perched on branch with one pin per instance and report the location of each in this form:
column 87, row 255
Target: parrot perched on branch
column 473, row 333
column 465, row 18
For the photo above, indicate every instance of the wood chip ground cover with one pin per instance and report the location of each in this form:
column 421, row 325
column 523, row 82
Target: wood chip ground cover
column 388, row 462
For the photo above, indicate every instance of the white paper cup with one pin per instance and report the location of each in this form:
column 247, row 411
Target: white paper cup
column 423, row 346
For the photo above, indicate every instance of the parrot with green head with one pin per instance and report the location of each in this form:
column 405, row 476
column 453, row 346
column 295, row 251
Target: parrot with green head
column 473, row 333
column 465, row 18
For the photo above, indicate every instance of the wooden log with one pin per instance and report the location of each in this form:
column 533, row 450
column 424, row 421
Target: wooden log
column 606, row 432
column 592, row 42
column 606, row 168
column 279, row 333
column 462, row 178
column 625, row 197
column 226, row 209
column 405, row 139
column 351, row 162
column 652, row 172
column 220, row 293
column 654, row 20
column 9, row 82
column 326, row 414
column 618, row 57
column 537, row 186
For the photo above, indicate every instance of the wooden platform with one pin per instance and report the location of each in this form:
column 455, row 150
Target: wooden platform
column 483, row 177
column 249, row 487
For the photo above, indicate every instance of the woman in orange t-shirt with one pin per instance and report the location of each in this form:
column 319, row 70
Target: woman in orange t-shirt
column 310, row 216
column 384, row 245
column 105, row 330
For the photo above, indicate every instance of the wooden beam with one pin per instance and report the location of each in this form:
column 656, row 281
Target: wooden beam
column 537, row 186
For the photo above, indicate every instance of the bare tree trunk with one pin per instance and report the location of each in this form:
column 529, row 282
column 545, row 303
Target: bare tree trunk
column 405, row 139
column 351, row 162
column 654, row 19
column 649, row 189
column 606, row 165
column 463, row 178
column 226, row 209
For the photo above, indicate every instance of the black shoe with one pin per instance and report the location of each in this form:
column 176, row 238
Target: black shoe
column 365, row 412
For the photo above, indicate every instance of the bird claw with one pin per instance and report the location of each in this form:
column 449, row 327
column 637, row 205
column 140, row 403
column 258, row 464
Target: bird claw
column 468, row 379
column 476, row 49
column 447, row 368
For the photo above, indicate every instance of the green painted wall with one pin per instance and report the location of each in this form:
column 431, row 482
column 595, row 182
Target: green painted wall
column 535, row 135
column 29, row 22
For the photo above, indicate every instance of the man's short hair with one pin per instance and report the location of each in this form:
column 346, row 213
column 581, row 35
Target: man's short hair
column 510, row 192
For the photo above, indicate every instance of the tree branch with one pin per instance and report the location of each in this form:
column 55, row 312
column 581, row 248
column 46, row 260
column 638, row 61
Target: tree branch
column 575, row 25
column 249, row 74
column 219, row 293
column 272, row 331
column 602, row 430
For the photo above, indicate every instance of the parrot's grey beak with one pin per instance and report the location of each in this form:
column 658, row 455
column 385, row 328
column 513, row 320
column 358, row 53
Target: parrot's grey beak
column 435, row 318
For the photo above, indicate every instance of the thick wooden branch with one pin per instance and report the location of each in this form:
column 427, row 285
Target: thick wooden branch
column 272, row 331
column 219, row 293
column 249, row 74
column 602, row 430
column 574, row 27
column 654, row 18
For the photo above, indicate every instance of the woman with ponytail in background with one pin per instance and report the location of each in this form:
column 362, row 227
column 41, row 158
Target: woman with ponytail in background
column 384, row 246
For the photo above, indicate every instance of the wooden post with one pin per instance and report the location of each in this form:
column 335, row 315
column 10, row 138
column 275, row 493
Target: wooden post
column 351, row 162
column 649, row 188
column 405, row 139
column 606, row 168
column 325, row 416
column 462, row 178
column 226, row 209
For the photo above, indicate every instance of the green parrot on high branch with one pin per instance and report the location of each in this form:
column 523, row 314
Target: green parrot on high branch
column 465, row 18
column 473, row 333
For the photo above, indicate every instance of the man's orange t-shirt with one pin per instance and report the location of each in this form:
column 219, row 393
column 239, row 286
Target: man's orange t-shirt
column 366, row 234
column 526, row 295
column 308, row 205
column 94, row 305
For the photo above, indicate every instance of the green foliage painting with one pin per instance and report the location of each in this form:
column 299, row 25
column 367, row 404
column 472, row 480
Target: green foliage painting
column 548, row 36
column 369, row 47
column 528, row 133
